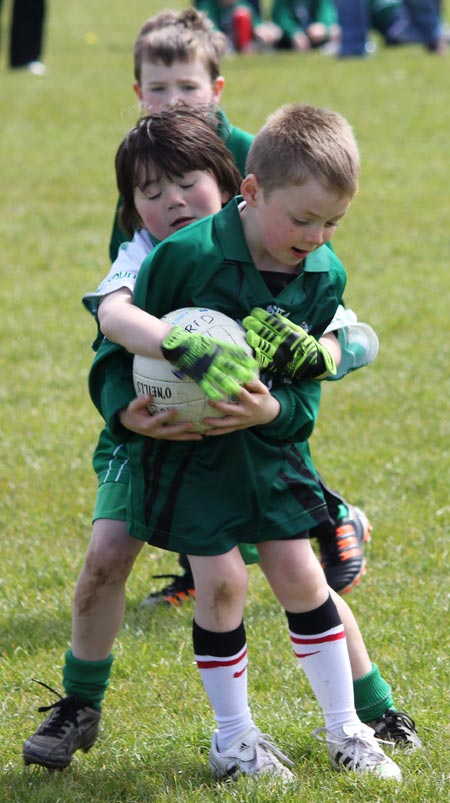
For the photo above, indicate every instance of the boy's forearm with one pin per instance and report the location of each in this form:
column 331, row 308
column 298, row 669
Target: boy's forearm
column 331, row 342
column 131, row 327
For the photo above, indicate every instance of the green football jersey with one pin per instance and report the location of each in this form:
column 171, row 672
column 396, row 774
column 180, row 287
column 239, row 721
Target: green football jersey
column 252, row 485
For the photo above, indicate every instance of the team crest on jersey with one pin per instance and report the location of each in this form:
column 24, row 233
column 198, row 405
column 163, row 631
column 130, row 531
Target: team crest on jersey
column 273, row 309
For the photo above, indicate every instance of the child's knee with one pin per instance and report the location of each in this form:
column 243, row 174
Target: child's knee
column 109, row 560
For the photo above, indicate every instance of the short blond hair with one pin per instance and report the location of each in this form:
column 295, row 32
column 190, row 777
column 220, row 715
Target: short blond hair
column 300, row 141
column 179, row 36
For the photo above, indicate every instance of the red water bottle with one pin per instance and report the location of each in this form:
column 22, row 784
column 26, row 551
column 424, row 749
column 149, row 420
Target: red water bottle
column 242, row 28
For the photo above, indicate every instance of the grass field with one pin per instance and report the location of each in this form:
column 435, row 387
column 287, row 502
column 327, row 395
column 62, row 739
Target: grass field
column 382, row 439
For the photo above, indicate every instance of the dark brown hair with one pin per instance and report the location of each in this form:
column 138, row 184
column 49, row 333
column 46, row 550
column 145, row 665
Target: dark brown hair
column 170, row 143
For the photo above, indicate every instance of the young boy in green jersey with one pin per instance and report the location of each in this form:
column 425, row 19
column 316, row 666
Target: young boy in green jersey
column 263, row 254
column 177, row 55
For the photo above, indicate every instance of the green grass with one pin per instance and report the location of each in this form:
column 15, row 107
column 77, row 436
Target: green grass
column 382, row 438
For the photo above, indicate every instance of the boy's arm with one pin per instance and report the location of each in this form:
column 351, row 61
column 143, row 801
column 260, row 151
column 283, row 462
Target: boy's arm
column 287, row 413
column 136, row 330
column 299, row 408
column 358, row 342
column 123, row 271
column 111, row 385
column 285, row 348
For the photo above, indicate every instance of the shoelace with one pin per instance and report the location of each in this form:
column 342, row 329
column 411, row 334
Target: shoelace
column 362, row 746
column 65, row 709
column 396, row 721
column 264, row 740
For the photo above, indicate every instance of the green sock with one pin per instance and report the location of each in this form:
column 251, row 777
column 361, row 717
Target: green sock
column 87, row 679
column 373, row 695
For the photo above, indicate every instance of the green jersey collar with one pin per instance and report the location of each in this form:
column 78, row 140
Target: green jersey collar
column 230, row 232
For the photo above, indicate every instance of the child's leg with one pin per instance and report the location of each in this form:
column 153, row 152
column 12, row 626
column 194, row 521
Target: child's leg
column 374, row 701
column 316, row 629
column 98, row 610
column 319, row 641
column 219, row 639
column 222, row 662
column 359, row 657
column 373, row 695
column 99, row 600
column 221, row 583
column 221, row 653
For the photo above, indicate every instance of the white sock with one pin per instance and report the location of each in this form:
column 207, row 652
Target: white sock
column 225, row 680
column 324, row 657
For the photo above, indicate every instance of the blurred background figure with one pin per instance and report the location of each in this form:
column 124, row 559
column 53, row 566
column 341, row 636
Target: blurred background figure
column 307, row 24
column 399, row 22
column 421, row 21
column 354, row 22
column 242, row 24
column 26, row 33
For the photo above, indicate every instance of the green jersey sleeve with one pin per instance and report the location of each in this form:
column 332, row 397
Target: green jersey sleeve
column 111, row 385
column 299, row 408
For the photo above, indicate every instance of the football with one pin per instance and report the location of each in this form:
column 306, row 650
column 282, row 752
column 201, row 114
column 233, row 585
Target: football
column 159, row 379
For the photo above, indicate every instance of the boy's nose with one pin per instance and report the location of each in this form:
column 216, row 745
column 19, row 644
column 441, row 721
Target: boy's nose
column 175, row 198
column 315, row 235
column 173, row 94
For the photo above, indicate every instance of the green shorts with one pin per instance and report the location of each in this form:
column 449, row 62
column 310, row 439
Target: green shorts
column 206, row 497
column 111, row 501
column 110, row 462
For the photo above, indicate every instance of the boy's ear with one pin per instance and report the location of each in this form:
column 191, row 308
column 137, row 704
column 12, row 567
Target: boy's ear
column 217, row 88
column 138, row 90
column 250, row 190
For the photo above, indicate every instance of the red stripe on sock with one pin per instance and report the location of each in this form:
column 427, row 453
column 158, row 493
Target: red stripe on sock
column 218, row 662
column 318, row 639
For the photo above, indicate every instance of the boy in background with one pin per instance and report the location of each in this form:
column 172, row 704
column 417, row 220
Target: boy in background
column 242, row 24
column 306, row 24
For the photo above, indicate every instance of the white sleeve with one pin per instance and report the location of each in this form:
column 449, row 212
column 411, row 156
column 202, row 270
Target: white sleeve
column 358, row 341
column 124, row 269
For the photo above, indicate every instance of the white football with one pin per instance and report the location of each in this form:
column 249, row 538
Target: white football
column 158, row 378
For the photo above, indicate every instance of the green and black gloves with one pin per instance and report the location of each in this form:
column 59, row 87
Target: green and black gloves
column 284, row 348
column 220, row 369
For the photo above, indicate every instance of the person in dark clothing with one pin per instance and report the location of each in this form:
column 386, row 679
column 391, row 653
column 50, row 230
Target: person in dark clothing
column 26, row 35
